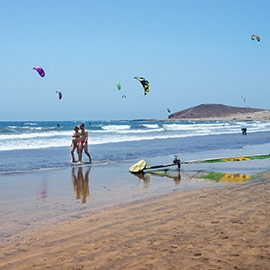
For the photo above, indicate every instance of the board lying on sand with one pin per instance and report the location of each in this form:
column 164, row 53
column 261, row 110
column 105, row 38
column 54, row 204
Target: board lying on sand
column 141, row 165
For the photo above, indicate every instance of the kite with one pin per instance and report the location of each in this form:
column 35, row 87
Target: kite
column 255, row 36
column 59, row 94
column 40, row 70
column 124, row 96
column 168, row 110
column 118, row 84
column 244, row 100
column 144, row 83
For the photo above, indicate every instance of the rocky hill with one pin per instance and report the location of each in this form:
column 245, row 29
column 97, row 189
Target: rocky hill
column 221, row 112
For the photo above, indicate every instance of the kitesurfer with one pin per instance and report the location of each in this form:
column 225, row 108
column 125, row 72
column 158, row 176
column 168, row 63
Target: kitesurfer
column 83, row 143
column 244, row 131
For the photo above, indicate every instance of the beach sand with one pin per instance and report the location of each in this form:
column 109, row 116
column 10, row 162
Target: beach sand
column 209, row 228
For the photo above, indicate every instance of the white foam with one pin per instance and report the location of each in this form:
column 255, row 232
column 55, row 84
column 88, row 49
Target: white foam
column 116, row 127
column 113, row 133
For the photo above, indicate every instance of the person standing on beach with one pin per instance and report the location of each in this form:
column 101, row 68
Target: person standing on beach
column 83, row 143
column 75, row 143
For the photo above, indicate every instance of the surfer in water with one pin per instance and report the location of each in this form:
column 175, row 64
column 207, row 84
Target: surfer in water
column 75, row 142
column 83, row 143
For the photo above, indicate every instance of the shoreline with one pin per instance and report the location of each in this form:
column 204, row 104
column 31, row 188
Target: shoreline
column 203, row 228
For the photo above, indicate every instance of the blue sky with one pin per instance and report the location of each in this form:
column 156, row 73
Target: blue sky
column 191, row 52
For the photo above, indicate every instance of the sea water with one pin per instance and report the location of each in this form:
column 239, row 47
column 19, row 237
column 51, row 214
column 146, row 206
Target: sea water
column 40, row 145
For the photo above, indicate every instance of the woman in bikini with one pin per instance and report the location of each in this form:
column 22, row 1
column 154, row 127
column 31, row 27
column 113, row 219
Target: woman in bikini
column 75, row 142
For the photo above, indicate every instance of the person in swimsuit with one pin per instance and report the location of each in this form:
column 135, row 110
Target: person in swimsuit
column 75, row 142
column 83, row 143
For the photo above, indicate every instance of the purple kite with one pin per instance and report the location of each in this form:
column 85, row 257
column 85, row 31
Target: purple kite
column 40, row 70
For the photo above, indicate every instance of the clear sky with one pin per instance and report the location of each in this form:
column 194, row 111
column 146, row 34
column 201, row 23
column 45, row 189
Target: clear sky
column 191, row 52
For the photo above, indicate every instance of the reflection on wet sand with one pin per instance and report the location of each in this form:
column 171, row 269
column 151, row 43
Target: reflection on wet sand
column 42, row 194
column 146, row 177
column 226, row 177
column 175, row 175
column 80, row 180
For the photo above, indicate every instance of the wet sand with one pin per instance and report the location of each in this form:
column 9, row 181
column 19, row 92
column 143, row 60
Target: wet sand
column 225, row 227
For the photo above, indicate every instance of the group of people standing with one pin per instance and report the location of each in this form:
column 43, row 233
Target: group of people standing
column 80, row 142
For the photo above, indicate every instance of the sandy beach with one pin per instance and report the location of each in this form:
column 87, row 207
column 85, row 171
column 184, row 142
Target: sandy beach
column 209, row 228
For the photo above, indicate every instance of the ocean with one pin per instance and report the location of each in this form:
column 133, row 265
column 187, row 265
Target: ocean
column 40, row 145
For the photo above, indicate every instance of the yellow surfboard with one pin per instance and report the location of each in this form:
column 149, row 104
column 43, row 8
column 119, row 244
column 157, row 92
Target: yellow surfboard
column 138, row 167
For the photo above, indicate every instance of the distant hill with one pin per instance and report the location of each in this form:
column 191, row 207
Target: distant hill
column 221, row 112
